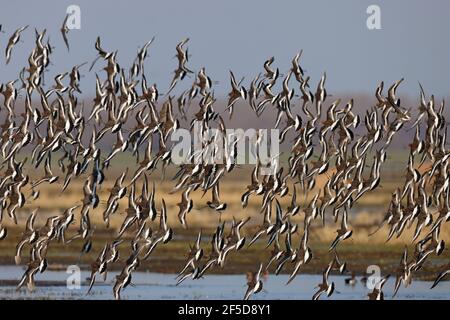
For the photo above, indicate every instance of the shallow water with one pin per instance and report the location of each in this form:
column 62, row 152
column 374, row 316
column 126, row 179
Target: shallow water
column 154, row 286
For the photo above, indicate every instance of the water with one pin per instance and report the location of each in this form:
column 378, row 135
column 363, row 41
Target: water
column 154, row 286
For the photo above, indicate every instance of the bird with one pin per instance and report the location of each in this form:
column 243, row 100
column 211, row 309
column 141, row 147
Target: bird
column 351, row 281
column 403, row 273
column 377, row 292
column 234, row 241
column 117, row 192
column 275, row 254
column 194, row 255
column 181, row 70
column 164, row 233
column 65, row 30
column 49, row 176
column 235, row 94
column 138, row 65
column 303, row 255
column 441, row 275
column 296, row 69
column 34, row 266
column 122, row 281
column 30, row 235
column 97, row 267
column 215, row 202
column 13, row 40
column 254, row 283
column 289, row 254
column 343, row 233
column 3, row 232
column 120, row 146
column 185, row 207
column 101, row 53
column 325, row 286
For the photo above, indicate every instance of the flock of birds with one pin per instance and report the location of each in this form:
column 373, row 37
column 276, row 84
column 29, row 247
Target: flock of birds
column 328, row 139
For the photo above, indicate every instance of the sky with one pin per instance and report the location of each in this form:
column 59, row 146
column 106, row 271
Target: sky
column 240, row 35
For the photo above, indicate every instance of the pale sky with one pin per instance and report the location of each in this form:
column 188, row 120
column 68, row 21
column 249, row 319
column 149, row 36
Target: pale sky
column 240, row 35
